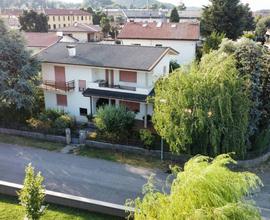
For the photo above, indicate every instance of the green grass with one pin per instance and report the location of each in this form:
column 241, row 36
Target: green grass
column 11, row 210
column 30, row 142
column 131, row 159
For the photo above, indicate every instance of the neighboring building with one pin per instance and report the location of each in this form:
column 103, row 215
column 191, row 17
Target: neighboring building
column 60, row 18
column 36, row 41
column 83, row 32
column 145, row 15
column 182, row 37
column 79, row 78
column 190, row 15
column 11, row 18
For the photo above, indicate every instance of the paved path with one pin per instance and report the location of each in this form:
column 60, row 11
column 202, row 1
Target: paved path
column 92, row 178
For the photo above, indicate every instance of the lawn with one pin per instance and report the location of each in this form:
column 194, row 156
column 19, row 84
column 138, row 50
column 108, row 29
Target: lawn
column 126, row 158
column 11, row 210
column 30, row 142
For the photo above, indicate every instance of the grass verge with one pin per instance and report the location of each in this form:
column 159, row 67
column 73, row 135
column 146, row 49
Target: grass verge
column 30, row 142
column 125, row 158
column 11, row 210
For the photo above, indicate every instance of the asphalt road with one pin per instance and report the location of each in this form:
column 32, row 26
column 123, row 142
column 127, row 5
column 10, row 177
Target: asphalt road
column 91, row 178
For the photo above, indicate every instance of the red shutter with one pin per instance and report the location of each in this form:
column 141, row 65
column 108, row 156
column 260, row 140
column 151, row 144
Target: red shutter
column 128, row 76
column 132, row 106
column 60, row 77
column 61, row 100
column 82, row 85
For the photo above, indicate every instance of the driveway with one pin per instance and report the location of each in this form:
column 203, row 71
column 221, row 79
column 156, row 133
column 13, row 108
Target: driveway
column 76, row 175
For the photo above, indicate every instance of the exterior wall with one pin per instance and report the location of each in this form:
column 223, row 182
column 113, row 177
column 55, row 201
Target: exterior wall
column 186, row 49
column 83, row 36
column 75, row 99
column 67, row 20
column 146, row 20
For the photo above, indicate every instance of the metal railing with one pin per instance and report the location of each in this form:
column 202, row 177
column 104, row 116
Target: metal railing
column 62, row 86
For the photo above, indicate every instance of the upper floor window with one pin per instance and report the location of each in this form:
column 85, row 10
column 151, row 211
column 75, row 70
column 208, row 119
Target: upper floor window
column 53, row 18
column 68, row 18
column 82, row 18
column 58, row 18
column 64, row 18
column 61, row 100
column 128, row 76
column 158, row 45
column 82, row 85
column 54, row 26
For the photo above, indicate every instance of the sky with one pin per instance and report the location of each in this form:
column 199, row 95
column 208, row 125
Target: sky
column 254, row 4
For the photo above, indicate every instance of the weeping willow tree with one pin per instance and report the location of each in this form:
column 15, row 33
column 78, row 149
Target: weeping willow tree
column 203, row 109
column 205, row 190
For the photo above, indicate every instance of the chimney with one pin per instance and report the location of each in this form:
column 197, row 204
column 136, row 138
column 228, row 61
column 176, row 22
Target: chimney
column 71, row 50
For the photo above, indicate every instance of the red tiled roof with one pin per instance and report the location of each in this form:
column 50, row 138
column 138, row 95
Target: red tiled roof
column 164, row 31
column 54, row 11
column 35, row 39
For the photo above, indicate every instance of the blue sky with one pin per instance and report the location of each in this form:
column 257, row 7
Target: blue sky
column 254, row 4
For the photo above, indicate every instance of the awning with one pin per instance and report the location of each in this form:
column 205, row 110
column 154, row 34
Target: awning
column 116, row 95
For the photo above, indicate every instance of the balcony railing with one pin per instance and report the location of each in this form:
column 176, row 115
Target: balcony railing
column 58, row 86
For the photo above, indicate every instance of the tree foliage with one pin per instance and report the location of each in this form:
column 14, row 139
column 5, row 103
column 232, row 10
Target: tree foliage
column 203, row 109
column 105, row 25
column 32, row 21
column 212, row 42
column 174, row 17
column 205, row 190
column 228, row 17
column 261, row 27
column 32, row 194
column 18, row 71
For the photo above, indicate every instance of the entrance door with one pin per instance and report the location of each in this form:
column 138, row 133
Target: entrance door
column 60, row 77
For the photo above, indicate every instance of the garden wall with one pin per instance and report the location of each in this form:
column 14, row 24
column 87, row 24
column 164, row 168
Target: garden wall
column 11, row 189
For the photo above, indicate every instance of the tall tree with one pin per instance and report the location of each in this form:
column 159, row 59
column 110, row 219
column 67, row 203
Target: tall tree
column 105, row 25
column 174, row 17
column 226, row 16
column 205, row 190
column 261, row 27
column 18, row 71
column 32, row 21
column 203, row 109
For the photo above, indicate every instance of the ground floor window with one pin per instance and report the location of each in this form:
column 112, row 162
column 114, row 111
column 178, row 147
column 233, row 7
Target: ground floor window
column 132, row 106
column 61, row 100
column 83, row 111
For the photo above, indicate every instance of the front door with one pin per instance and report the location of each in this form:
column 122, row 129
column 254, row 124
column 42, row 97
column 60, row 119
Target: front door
column 60, row 77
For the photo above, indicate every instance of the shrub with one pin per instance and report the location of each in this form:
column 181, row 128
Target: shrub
column 51, row 114
column 63, row 122
column 250, row 36
column 32, row 194
column 114, row 121
column 205, row 189
column 37, row 124
column 262, row 141
column 147, row 138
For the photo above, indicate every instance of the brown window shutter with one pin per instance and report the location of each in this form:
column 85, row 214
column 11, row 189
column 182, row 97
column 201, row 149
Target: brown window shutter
column 132, row 106
column 82, row 85
column 128, row 76
column 61, row 100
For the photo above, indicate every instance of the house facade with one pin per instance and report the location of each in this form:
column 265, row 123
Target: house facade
column 82, row 77
column 182, row 37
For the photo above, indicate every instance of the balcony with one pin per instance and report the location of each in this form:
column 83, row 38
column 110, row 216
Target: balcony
column 58, row 86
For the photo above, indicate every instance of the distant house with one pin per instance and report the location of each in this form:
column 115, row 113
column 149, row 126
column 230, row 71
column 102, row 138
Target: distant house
column 82, row 77
column 11, row 18
column 182, row 37
column 83, row 32
column 60, row 18
column 36, row 41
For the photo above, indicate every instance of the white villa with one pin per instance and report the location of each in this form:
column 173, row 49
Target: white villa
column 182, row 37
column 81, row 77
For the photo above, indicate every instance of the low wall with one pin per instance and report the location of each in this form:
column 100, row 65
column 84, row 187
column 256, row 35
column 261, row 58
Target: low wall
column 254, row 162
column 11, row 189
column 36, row 135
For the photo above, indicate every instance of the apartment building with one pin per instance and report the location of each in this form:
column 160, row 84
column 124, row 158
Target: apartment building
column 80, row 78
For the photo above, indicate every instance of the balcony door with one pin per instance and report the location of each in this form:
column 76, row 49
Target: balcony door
column 60, row 77
column 109, row 76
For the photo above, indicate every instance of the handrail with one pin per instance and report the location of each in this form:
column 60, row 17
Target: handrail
column 64, row 86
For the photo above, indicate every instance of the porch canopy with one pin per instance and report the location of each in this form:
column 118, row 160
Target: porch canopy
column 117, row 95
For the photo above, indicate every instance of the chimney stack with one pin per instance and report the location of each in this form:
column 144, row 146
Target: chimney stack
column 71, row 50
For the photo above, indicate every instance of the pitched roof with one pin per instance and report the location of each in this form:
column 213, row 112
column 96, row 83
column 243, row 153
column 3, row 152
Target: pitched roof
column 36, row 39
column 106, row 56
column 55, row 11
column 78, row 27
column 161, row 31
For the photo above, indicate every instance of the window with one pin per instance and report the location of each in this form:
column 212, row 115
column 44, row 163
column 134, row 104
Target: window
column 49, row 26
column 131, row 106
column 59, row 25
column 78, row 18
column 58, row 18
column 54, row 26
column 61, row 100
column 83, row 111
column 64, row 18
column 82, row 85
column 137, row 44
column 128, row 76
column 158, row 45
column 53, row 18
column 68, row 18
column 82, row 18
column 64, row 25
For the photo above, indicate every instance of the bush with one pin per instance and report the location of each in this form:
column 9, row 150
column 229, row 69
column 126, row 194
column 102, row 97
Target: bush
column 32, row 194
column 114, row 121
column 63, row 122
column 37, row 124
column 250, row 36
column 147, row 138
column 262, row 141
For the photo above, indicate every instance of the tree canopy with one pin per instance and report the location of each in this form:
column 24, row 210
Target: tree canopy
column 203, row 109
column 205, row 189
column 226, row 16
column 174, row 17
column 261, row 27
column 18, row 71
column 32, row 21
